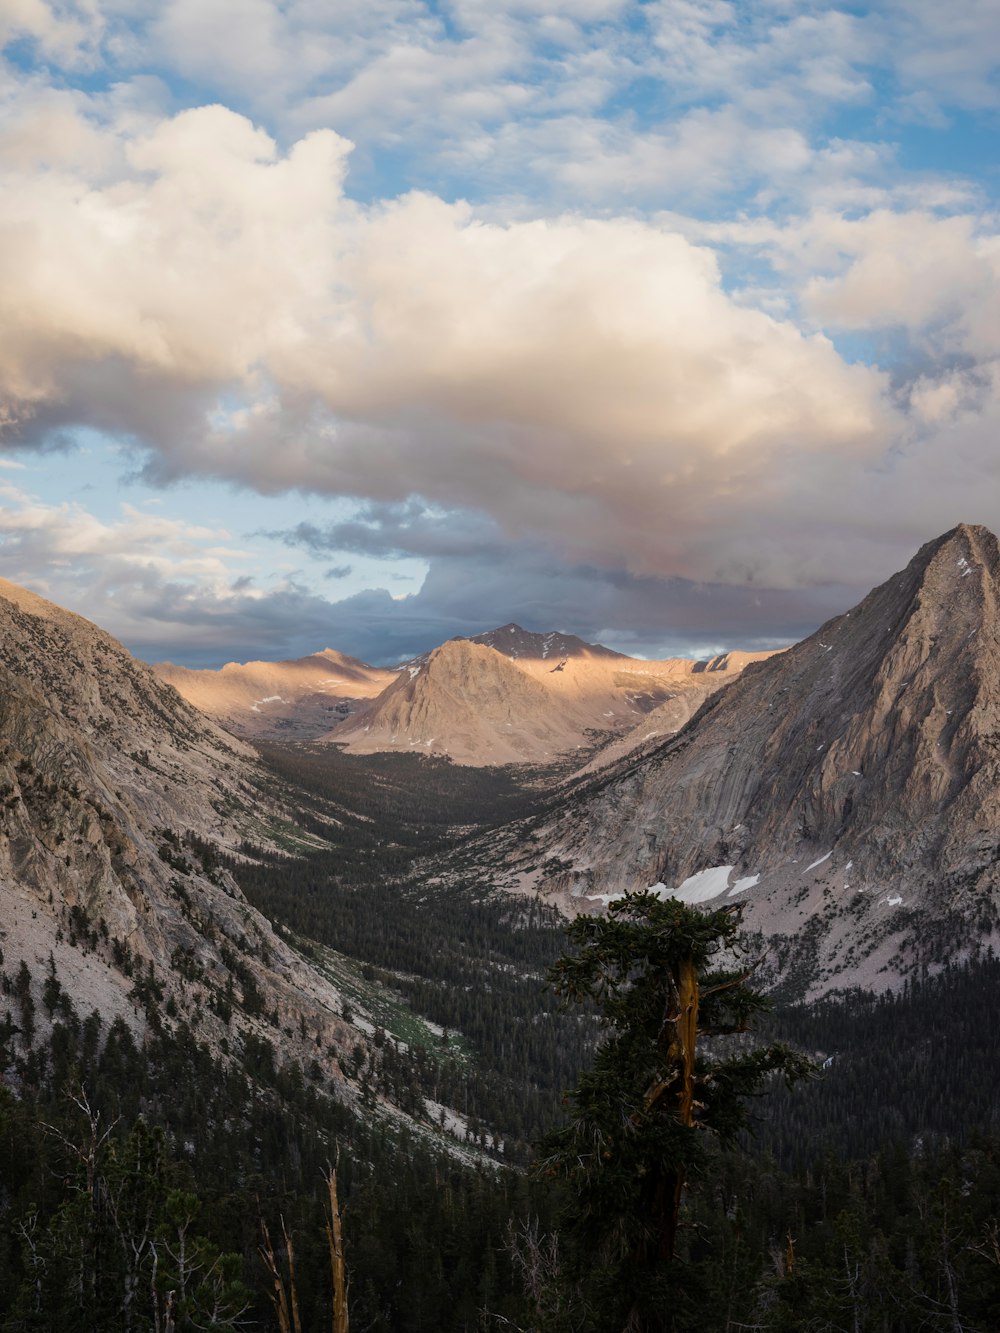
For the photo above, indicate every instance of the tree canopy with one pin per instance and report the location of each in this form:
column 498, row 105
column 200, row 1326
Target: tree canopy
column 642, row 1122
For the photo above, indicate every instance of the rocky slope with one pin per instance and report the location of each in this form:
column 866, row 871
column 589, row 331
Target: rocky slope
column 113, row 794
column 512, row 696
column 294, row 700
column 848, row 790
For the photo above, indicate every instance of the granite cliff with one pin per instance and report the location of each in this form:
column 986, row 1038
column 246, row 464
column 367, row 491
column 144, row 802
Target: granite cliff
column 847, row 790
column 115, row 800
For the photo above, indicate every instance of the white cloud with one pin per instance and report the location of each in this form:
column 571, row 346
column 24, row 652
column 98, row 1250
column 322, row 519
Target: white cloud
column 65, row 33
column 226, row 305
column 910, row 269
column 584, row 375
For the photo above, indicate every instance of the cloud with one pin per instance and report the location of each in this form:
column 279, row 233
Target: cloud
column 547, row 372
column 172, row 589
column 227, row 307
column 392, row 531
column 937, row 278
column 68, row 34
column 164, row 586
column 950, row 55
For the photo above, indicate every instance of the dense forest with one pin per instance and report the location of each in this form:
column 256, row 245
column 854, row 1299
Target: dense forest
column 111, row 1153
column 136, row 1180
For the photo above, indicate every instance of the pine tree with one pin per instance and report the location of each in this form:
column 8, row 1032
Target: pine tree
column 643, row 1120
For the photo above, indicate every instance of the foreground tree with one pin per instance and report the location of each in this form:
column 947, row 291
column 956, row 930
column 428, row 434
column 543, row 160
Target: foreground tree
column 644, row 1121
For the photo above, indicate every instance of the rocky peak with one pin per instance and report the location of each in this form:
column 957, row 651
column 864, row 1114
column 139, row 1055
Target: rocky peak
column 873, row 744
column 515, row 642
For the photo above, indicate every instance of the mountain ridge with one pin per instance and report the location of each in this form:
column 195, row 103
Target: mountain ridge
column 858, row 769
column 535, row 699
column 291, row 699
column 591, row 696
column 115, row 798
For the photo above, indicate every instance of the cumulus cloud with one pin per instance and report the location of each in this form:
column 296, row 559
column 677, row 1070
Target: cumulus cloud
column 570, row 380
column 225, row 305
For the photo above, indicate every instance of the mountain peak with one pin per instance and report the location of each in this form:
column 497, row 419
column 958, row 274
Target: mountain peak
column 968, row 545
column 870, row 749
column 516, row 642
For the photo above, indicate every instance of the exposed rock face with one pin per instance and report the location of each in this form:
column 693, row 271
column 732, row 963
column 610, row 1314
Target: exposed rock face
column 467, row 701
column 511, row 696
column 103, row 771
column 515, row 642
column 864, row 761
column 296, row 700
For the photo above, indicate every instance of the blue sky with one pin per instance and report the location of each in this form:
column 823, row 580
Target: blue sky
column 671, row 323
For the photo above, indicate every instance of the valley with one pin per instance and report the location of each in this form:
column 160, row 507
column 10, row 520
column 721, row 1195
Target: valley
column 277, row 953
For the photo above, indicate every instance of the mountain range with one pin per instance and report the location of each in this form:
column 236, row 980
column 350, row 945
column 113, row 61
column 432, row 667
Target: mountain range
column 844, row 791
column 508, row 696
column 291, row 700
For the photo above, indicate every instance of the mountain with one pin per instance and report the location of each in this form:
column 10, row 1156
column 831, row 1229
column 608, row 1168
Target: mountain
column 552, row 648
column 469, row 702
column 512, row 696
column 846, row 790
column 291, row 700
column 116, row 798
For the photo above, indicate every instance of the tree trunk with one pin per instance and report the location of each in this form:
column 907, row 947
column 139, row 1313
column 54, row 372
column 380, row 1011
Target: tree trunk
column 337, row 1268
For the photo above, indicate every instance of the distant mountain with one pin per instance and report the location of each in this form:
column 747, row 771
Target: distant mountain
column 290, row 700
column 523, row 644
column 511, row 696
column 115, row 796
column 847, row 790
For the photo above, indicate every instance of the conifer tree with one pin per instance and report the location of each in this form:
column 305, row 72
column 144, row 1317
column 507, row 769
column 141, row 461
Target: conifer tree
column 643, row 1120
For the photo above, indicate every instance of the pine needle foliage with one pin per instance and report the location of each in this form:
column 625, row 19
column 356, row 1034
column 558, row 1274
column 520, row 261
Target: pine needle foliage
column 645, row 1121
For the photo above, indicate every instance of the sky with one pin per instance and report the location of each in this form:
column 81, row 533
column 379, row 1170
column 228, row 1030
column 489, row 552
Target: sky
column 670, row 323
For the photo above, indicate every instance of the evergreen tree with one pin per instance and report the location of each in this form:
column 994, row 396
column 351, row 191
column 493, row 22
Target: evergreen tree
column 636, row 1132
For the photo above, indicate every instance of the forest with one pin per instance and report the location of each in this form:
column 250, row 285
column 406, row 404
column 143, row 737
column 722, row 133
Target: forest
column 136, row 1181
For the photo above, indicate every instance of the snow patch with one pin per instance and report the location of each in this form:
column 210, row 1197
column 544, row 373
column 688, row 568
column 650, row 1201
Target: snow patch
column 699, row 888
column 818, row 862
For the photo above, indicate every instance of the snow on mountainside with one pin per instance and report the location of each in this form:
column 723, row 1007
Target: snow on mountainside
column 511, row 696
column 293, row 700
column 856, row 776
column 105, row 772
